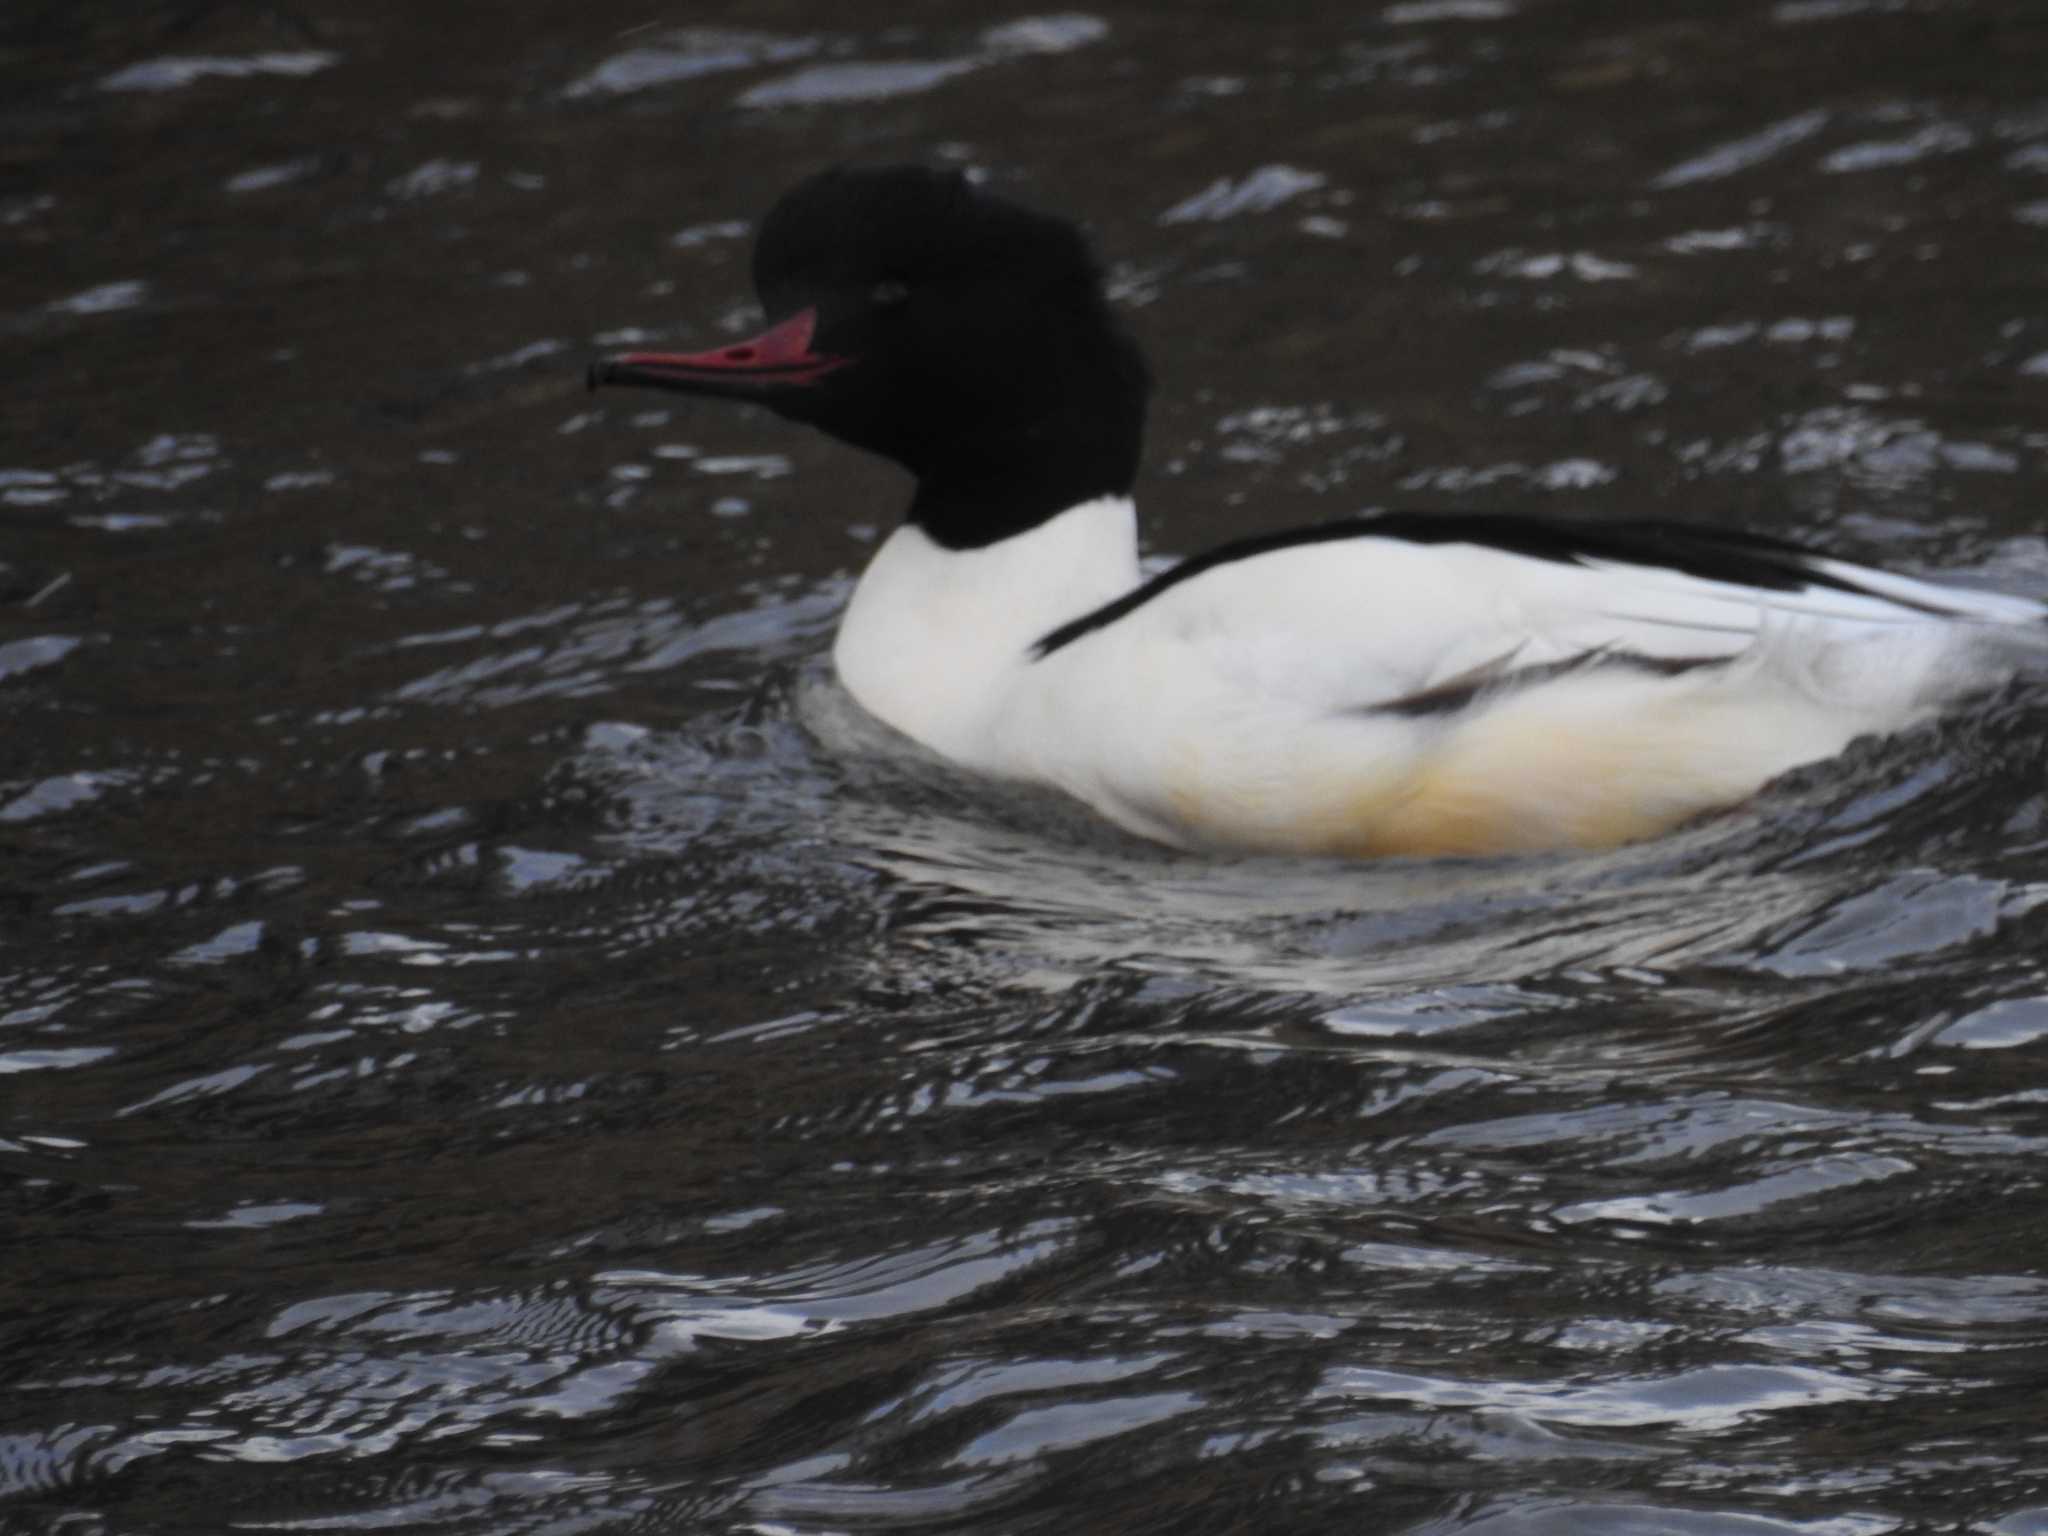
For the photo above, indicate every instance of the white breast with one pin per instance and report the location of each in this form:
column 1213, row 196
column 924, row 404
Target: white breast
column 937, row 642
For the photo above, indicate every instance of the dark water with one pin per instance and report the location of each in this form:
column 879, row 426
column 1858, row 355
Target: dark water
column 491, row 1043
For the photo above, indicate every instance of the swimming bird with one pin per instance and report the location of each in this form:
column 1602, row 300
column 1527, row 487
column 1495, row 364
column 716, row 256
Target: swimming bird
column 1395, row 684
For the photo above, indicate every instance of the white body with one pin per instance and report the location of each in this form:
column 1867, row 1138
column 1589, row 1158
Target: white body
column 1237, row 709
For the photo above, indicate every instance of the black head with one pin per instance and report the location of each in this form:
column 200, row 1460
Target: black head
column 941, row 326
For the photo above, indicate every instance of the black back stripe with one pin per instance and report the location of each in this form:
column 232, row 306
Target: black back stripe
column 1461, row 693
column 1712, row 554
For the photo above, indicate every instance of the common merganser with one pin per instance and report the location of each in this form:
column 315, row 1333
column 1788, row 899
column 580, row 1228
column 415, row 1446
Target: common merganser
column 1404, row 683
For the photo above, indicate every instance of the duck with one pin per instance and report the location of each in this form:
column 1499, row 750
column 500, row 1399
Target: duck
column 1397, row 684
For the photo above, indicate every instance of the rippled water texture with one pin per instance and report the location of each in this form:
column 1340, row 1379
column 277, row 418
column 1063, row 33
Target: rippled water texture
column 491, row 1041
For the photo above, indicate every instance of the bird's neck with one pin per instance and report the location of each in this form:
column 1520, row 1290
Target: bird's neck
column 934, row 635
column 986, row 481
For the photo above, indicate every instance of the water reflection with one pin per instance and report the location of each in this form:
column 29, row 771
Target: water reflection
column 175, row 73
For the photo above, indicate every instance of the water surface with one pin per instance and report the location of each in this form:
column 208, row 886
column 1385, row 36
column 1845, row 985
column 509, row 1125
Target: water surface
column 491, row 1041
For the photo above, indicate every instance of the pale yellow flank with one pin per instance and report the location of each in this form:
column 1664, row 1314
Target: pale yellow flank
column 1589, row 764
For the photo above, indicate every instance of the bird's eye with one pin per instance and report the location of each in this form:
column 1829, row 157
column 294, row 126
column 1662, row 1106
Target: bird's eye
column 889, row 291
